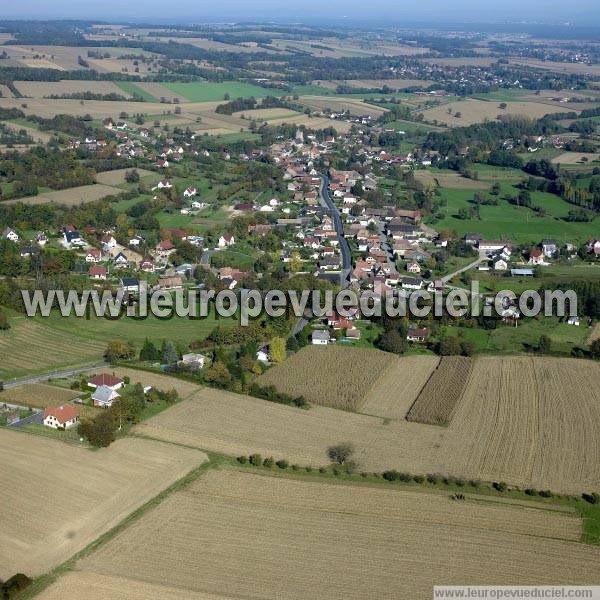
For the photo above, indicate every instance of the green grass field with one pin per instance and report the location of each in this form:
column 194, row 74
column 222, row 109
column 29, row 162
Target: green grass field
column 101, row 330
column 200, row 91
column 518, row 224
column 509, row 340
column 131, row 88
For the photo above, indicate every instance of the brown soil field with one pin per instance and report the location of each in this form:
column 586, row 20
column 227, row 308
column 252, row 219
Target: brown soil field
column 477, row 111
column 436, row 403
column 232, row 534
column 38, row 395
column 72, row 196
column 41, row 89
column 397, row 389
column 57, row 498
column 30, row 346
column 528, row 421
column 340, row 104
column 572, row 158
column 117, row 177
column 333, row 376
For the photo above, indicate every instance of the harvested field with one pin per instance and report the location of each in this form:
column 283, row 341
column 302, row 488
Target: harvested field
column 117, row 177
column 97, row 109
column 268, row 114
column 340, row 104
column 440, row 396
column 505, row 428
column 477, row 111
column 594, row 334
column 452, row 181
column 159, row 91
column 72, row 196
column 397, row 389
column 41, row 89
column 222, row 537
column 29, row 347
column 74, row 495
column 334, row 376
column 573, row 158
column 38, row 395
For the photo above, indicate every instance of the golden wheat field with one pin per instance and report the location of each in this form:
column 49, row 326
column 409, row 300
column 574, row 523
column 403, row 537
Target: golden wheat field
column 533, row 422
column 396, row 390
column 437, row 401
column 71, row 196
column 29, row 346
column 333, row 376
column 232, row 535
column 57, row 498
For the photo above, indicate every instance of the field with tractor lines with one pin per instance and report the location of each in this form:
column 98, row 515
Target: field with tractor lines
column 532, row 422
column 29, row 347
column 438, row 399
column 397, row 389
column 334, row 376
column 233, row 534
column 57, row 498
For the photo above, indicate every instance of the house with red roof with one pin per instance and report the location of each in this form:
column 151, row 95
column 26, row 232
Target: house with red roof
column 65, row 416
column 107, row 380
column 98, row 272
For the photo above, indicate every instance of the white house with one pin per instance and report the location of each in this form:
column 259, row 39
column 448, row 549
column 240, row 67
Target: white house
column 10, row 234
column 65, row 416
column 193, row 361
column 226, row 239
column 93, row 256
column 104, row 396
column 73, row 238
column 190, row 192
column 500, row 265
column 320, row 338
column 109, row 242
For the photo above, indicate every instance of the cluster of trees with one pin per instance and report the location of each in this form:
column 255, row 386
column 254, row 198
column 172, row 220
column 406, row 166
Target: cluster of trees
column 103, row 429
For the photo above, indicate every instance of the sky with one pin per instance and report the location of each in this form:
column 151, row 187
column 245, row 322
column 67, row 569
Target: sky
column 583, row 12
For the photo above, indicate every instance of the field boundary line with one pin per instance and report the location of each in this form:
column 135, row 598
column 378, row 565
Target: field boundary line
column 44, row 581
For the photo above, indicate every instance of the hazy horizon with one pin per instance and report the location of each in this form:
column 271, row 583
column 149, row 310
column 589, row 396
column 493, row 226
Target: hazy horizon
column 577, row 12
